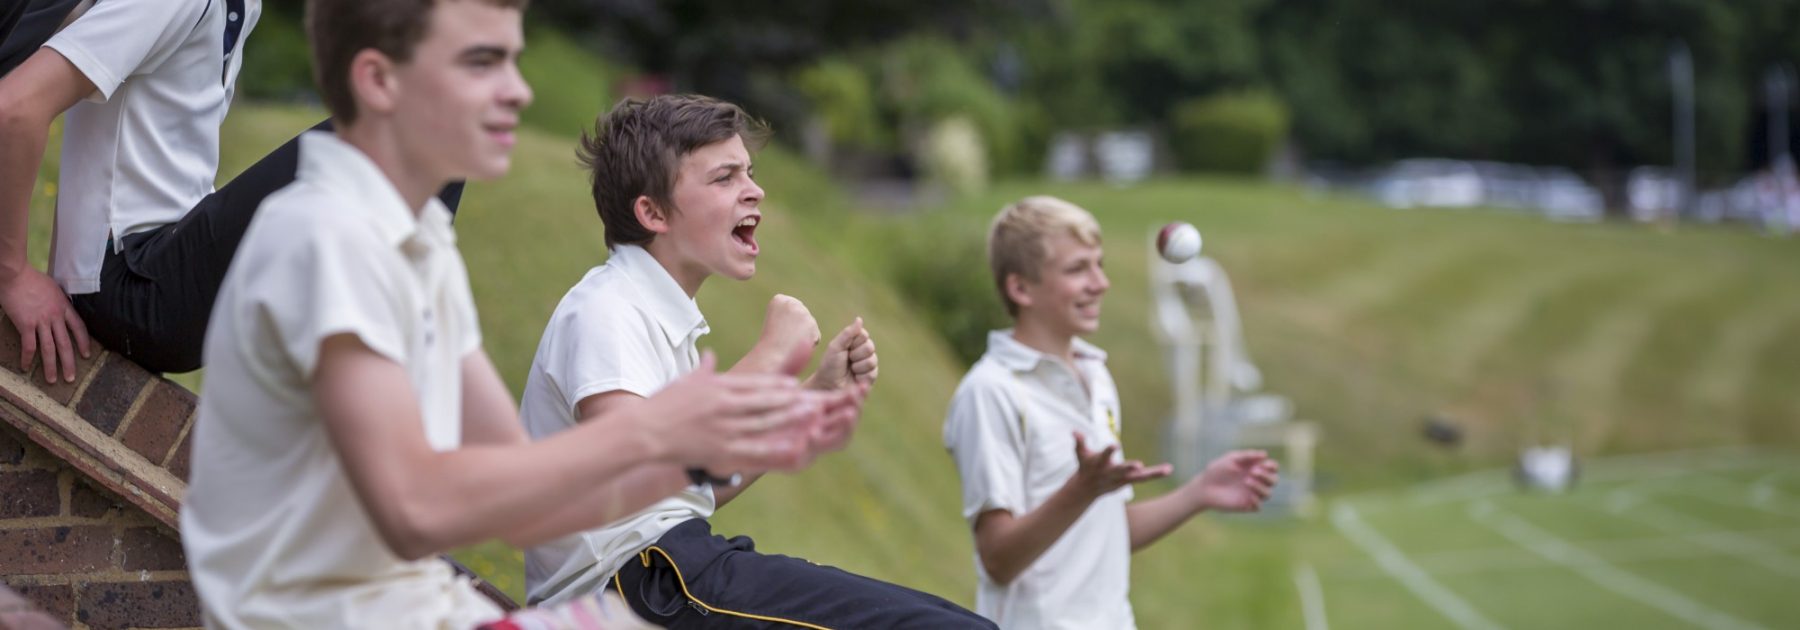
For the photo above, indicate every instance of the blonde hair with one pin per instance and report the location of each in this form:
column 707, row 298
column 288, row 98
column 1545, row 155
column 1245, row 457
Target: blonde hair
column 1018, row 239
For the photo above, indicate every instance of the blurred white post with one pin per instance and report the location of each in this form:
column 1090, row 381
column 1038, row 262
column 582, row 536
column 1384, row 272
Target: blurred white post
column 1681, row 82
column 1217, row 406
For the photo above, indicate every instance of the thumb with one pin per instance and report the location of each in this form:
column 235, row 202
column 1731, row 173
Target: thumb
column 847, row 335
column 708, row 362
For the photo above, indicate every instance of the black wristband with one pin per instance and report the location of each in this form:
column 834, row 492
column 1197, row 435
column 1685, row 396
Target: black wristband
column 700, row 477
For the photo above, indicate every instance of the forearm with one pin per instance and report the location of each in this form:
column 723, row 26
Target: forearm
column 477, row 493
column 1012, row 544
column 20, row 155
column 603, row 503
column 1151, row 519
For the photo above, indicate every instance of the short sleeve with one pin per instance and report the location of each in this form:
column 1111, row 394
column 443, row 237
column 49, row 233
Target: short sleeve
column 329, row 285
column 602, row 346
column 115, row 40
column 985, row 434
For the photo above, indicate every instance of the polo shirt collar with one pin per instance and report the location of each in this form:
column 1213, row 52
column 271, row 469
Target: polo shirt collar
column 677, row 314
column 327, row 158
column 1019, row 357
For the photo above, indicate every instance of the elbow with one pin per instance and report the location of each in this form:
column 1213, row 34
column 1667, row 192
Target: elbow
column 411, row 531
column 1000, row 572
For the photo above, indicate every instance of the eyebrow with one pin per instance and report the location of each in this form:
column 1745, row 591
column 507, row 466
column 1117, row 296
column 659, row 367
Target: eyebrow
column 483, row 52
column 730, row 167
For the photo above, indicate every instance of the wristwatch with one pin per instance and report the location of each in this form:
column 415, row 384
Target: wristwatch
column 700, row 477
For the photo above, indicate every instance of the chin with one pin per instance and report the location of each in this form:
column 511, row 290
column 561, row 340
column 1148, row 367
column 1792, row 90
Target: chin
column 742, row 272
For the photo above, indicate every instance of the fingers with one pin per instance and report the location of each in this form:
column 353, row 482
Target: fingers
column 47, row 345
column 709, row 362
column 1140, row 473
column 81, row 335
column 28, row 344
column 65, row 352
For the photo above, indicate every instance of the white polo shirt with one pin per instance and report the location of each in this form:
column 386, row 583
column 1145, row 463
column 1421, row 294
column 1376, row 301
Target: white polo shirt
column 144, row 148
column 275, row 534
column 1010, row 430
column 626, row 326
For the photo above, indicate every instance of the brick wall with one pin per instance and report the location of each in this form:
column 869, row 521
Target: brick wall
column 91, row 476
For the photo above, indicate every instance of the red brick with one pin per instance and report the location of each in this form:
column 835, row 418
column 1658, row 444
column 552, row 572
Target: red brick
column 63, row 390
column 86, row 502
column 161, row 604
column 180, row 462
column 12, row 445
column 9, row 345
column 55, row 600
column 111, row 393
column 159, row 421
column 28, row 493
column 148, row 549
column 55, row 550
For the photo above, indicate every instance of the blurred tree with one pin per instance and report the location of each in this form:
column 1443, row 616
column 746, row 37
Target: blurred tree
column 1582, row 84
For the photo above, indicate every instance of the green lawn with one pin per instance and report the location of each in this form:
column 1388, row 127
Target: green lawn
column 1632, row 339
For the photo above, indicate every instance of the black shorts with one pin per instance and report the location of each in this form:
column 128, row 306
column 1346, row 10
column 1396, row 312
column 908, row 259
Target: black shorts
column 691, row 578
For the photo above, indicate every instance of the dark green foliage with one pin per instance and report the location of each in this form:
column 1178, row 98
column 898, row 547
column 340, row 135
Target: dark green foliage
column 1232, row 133
column 939, row 265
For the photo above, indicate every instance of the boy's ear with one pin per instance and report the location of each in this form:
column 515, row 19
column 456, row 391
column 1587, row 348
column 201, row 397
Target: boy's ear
column 1016, row 290
column 651, row 215
column 372, row 81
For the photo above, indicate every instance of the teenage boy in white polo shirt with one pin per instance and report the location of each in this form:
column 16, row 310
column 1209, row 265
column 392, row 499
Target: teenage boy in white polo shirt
column 1034, row 430
column 673, row 185
column 352, row 427
column 142, row 239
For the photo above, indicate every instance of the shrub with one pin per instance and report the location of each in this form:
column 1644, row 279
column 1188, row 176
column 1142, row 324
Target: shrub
column 940, row 266
column 1230, row 133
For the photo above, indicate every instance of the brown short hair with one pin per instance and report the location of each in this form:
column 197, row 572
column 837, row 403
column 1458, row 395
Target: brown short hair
column 636, row 149
column 1017, row 240
column 339, row 29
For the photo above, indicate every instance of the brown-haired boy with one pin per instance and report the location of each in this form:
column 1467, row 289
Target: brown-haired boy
column 672, row 182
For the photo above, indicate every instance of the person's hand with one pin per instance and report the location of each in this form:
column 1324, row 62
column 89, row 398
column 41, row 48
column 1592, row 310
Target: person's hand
column 787, row 325
column 843, row 410
column 731, row 422
column 849, row 358
column 1238, row 481
column 47, row 323
column 1097, row 473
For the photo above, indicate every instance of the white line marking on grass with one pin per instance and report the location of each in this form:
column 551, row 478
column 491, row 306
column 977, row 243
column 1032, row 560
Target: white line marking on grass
column 1710, row 534
column 1312, row 597
column 1504, row 559
column 1638, row 467
column 1730, row 494
column 1344, row 517
column 1600, row 572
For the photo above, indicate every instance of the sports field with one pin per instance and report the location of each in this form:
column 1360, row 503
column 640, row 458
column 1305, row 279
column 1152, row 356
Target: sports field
column 1706, row 539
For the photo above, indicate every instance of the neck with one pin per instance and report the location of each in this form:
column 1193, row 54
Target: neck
column 688, row 276
column 409, row 175
column 1044, row 338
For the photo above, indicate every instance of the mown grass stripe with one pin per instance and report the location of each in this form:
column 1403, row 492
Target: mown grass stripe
column 1602, row 573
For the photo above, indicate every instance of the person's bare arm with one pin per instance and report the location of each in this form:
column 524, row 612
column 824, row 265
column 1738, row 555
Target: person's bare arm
column 1238, row 481
column 1008, row 544
column 32, row 96
column 423, row 501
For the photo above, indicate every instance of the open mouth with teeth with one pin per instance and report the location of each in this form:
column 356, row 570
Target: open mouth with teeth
column 745, row 233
